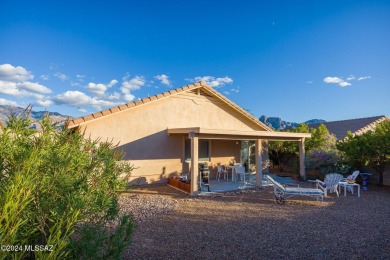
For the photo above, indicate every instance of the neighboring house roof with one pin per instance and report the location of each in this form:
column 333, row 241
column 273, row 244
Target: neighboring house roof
column 356, row 126
column 198, row 85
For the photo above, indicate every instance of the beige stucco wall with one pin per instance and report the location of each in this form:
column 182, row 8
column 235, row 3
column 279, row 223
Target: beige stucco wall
column 142, row 132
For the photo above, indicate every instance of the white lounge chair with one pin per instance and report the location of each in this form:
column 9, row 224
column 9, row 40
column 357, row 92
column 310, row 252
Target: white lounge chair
column 282, row 193
column 330, row 183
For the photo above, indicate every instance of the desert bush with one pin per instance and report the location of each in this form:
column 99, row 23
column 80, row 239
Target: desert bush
column 56, row 188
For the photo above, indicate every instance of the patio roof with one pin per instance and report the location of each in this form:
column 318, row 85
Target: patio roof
column 205, row 133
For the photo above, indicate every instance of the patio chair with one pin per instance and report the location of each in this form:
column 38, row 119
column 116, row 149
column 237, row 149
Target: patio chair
column 222, row 170
column 331, row 183
column 240, row 171
column 351, row 178
column 282, row 193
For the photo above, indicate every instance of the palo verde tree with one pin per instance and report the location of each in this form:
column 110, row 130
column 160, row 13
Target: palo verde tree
column 58, row 191
column 369, row 149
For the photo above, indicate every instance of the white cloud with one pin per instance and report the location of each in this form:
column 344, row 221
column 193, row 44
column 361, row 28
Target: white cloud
column 34, row 87
column 72, row 98
column 14, row 74
column 163, row 79
column 60, row 76
column 344, row 84
column 363, row 78
column 79, row 99
column 82, row 110
column 44, row 77
column 18, row 89
column 97, row 89
column 214, row 82
column 100, row 89
column 112, row 83
column 309, row 82
column 128, row 97
column 44, row 103
column 115, row 96
column 80, row 77
column 5, row 102
column 337, row 80
column 132, row 84
column 352, row 77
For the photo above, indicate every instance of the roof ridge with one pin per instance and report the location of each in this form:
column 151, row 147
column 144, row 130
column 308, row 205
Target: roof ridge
column 86, row 118
column 83, row 119
column 381, row 116
column 243, row 111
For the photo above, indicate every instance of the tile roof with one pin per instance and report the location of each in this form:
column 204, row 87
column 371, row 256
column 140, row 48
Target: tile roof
column 198, row 85
column 356, row 126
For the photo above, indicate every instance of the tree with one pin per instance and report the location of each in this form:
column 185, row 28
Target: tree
column 281, row 153
column 59, row 189
column 369, row 149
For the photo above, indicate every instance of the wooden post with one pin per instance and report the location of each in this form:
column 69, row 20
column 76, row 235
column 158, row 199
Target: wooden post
column 194, row 163
column 302, row 171
column 259, row 163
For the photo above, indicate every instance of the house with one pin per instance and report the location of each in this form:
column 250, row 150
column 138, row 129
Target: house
column 357, row 126
column 163, row 135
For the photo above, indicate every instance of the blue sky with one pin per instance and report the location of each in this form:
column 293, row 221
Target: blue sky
column 295, row 59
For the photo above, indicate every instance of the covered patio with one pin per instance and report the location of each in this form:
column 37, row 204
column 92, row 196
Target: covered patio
column 198, row 133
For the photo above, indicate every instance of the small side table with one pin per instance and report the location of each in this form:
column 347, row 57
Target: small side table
column 347, row 185
column 365, row 180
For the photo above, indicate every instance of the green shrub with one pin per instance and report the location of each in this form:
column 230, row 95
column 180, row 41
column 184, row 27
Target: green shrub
column 56, row 187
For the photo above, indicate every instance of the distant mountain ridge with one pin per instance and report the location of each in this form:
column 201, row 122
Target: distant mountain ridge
column 278, row 124
column 57, row 118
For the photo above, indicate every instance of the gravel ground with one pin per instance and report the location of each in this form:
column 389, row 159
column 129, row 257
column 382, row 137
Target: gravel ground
column 249, row 225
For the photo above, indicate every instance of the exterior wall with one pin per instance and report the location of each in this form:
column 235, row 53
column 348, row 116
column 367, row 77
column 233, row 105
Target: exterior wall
column 142, row 132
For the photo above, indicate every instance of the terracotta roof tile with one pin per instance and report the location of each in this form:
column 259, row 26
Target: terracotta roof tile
column 114, row 109
column 87, row 118
column 97, row 115
column 122, row 107
column 166, row 94
column 196, row 85
column 78, row 120
column 146, row 100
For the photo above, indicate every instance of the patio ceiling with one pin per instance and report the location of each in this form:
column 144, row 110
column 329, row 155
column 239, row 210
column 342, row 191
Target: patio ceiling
column 204, row 133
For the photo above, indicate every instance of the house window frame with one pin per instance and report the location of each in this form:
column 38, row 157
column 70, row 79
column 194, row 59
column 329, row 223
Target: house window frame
column 187, row 143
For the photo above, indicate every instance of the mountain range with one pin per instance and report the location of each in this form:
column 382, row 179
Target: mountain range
column 57, row 118
column 279, row 124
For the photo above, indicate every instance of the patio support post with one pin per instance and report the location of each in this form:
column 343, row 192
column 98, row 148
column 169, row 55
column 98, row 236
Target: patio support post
column 259, row 163
column 194, row 163
column 302, row 171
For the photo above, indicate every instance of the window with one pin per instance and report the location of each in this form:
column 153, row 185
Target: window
column 203, row 153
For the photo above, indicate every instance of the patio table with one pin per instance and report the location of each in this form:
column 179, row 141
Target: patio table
column 347, row 185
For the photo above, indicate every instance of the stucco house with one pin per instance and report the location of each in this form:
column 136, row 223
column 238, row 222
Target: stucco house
column 163, row 135
column 357, row 126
